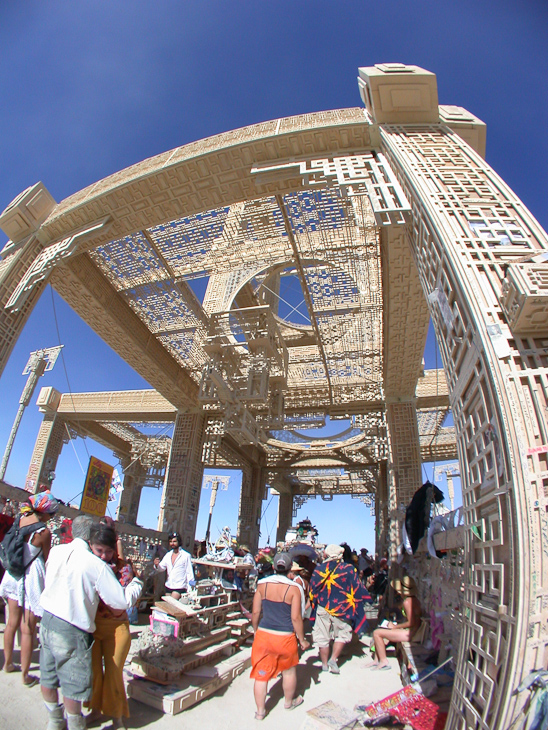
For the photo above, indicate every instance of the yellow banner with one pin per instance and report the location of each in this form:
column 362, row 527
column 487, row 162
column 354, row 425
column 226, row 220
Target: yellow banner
column 96, row 487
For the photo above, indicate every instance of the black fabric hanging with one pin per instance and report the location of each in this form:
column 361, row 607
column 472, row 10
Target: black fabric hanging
column 417, row 515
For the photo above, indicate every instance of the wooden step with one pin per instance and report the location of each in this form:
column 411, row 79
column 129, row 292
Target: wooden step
column 174, row 667
column 239, row 626
column 191, row 688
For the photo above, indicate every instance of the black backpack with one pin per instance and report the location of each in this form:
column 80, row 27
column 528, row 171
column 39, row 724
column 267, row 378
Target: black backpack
column 12, row 548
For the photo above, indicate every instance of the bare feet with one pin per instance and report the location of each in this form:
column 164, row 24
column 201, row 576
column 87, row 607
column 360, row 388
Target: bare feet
column 294, row 703
column 382, row 666
column 11, row 668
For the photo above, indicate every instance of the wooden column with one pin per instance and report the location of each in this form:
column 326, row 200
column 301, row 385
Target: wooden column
column 251, row 497
column 183, row 483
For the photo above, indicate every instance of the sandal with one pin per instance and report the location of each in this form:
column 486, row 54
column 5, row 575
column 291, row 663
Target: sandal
column 9, row 668
column 260, row 715
column 31, row 681
column 294, row 703
column 384, row 668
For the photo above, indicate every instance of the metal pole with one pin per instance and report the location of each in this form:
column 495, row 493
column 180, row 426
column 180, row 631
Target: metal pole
column 451, row 491
column 214, row 487
column 39, row 362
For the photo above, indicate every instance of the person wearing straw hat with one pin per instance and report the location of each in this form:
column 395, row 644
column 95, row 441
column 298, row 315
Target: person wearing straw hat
column 406, row 595
column 252, row 574
column 299, row 575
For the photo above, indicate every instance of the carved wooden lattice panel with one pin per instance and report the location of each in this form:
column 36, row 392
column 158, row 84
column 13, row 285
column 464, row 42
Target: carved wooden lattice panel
column 181, row 496
column 12, row 270
column 467, row 225
column 51, row 437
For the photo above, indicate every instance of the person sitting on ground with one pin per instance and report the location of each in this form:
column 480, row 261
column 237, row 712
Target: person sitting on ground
column 178, row 564
column 112, row 638
column 338, row 600
column 75, row 581
column 406, row 597
column 275, row 650
column 22, row 594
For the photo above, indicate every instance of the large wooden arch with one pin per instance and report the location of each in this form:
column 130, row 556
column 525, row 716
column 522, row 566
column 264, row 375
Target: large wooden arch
column 398, row 195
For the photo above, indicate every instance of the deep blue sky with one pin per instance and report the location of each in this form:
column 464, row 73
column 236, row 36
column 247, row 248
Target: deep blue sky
column 90, row 88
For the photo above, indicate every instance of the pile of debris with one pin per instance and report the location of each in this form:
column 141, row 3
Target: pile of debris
column 193, row 647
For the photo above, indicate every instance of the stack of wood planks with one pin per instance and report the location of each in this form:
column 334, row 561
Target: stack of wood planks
column 172, row 674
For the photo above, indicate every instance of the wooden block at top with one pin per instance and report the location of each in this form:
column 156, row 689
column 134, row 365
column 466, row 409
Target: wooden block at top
column 394, row 93
column 179, row 606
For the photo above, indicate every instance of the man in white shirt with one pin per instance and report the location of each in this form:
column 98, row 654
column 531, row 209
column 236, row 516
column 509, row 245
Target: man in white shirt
column 178, row 564
column 75, row 581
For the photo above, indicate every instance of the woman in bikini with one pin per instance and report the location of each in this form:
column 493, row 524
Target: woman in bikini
column 406, row 590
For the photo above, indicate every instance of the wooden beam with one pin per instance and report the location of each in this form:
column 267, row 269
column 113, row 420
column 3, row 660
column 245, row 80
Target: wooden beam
column 92, row 297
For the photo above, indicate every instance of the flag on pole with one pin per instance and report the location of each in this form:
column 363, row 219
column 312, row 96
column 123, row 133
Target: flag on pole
column 116, row 486
column 117, row 482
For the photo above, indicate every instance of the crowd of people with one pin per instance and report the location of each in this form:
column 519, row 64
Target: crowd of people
column 332, row 596
column 81, row 591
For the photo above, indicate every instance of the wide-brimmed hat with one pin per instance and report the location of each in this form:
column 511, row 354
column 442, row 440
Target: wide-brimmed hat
column 405, row 586
column 334, row 552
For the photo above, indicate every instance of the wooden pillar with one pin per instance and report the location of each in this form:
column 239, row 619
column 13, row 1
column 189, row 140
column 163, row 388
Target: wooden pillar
column 251, row 497
column 382, row 512
column 404, row 469
column 47, row 449
column 183, row 483
column 285, row 515
column 134, row 476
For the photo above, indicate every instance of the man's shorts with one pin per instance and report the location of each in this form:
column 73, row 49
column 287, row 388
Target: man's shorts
column 328, row 627
column 65, row 658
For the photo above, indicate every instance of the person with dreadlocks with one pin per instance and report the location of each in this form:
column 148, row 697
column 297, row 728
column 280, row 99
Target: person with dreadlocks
column 23, row 594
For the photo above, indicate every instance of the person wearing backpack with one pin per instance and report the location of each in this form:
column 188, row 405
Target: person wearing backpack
column 23, row 552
